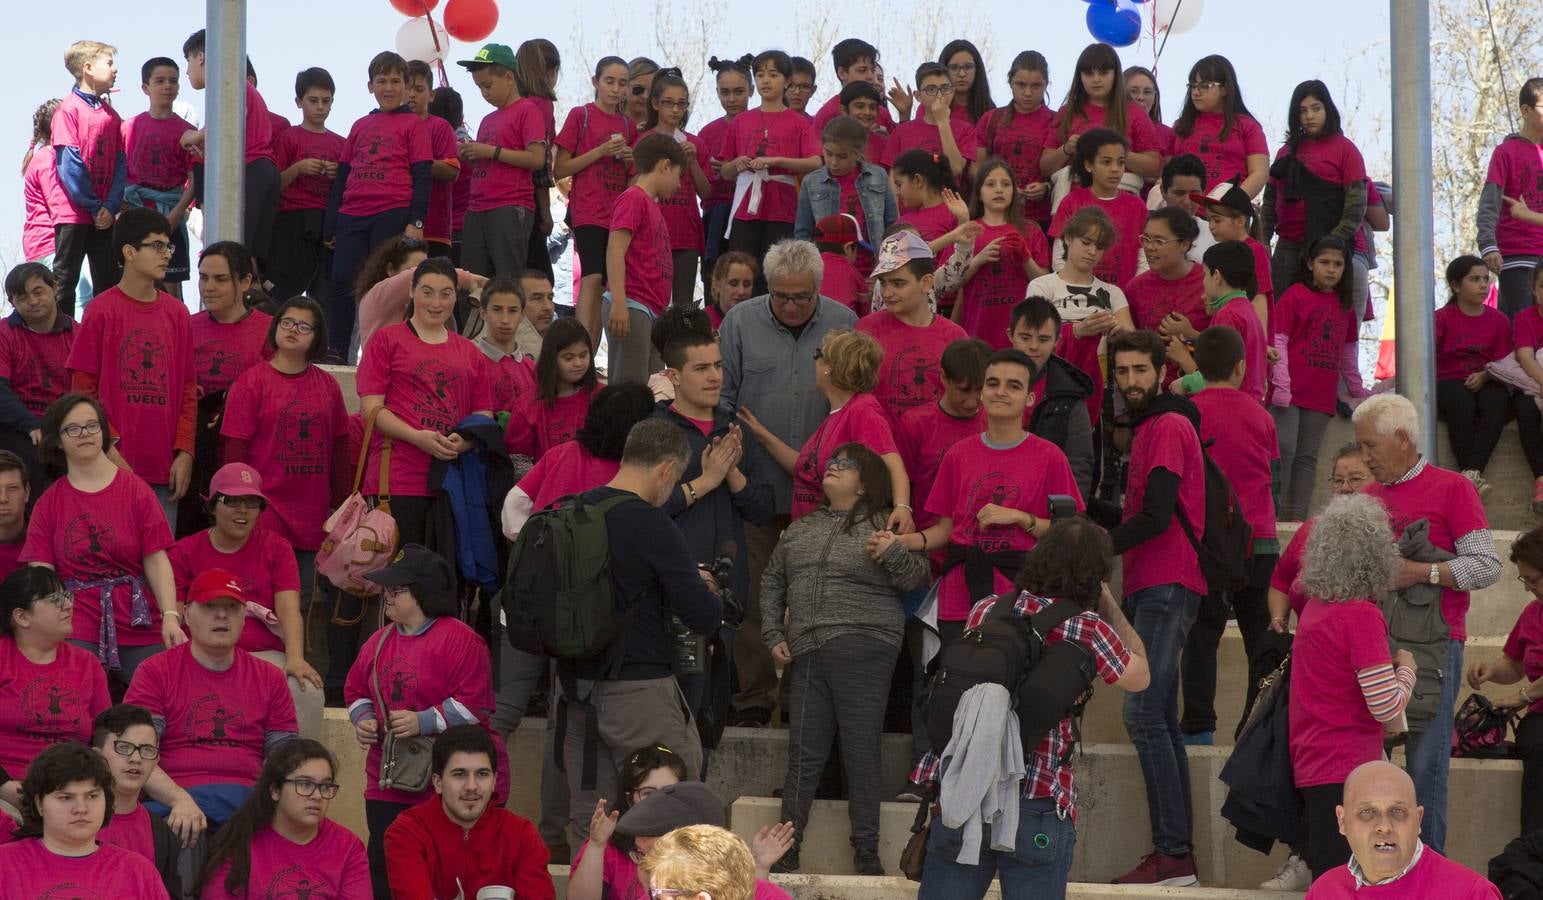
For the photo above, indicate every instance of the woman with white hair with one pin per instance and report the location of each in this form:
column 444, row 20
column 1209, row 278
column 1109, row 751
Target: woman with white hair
column 1345, row 690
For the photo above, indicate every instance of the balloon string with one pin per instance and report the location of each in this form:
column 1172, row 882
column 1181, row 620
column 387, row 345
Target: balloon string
column 439, row 62
column 1169, row 32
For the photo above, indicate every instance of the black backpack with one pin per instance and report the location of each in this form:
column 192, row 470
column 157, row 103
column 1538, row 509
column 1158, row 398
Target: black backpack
column 1226, row 550
column 1045, row 683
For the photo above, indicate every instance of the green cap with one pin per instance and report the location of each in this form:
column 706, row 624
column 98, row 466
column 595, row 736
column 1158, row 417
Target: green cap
column 491, row 55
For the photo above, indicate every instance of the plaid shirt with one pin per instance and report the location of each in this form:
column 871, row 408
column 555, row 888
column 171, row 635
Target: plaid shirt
column 1045, row 773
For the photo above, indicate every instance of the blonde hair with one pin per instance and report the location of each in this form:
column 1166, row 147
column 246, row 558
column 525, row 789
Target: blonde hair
column 854, row 358
column 702, row 858
column 82, row 53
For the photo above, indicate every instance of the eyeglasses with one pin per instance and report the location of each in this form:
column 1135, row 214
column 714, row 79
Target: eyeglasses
column 841, row 463
column 158, row 246
column 297, row 326
column 1354, row 481
column 678, row 104
column 241, row 502
column 935, row 90
column 1148, row 240
column 642, row 793
column 1200, row 87
column 638, row 89
column 305, row 787
column 88, row 428
column 779, row 297
column 1142, row 92
column 126, row 749
column 961, row 68
column 1530, row 583
column 803, row 87
column 62, row 599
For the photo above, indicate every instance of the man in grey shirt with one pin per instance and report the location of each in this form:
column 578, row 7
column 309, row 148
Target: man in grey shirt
column 768, row 346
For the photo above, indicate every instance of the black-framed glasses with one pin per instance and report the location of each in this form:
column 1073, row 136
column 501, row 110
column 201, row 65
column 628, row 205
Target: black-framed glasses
column 297, row 326
column 935, row 90
column 801, row 87
column 165, row 247
column 639, row 89
column 82, row 430
column 126, row 749
column 305, row 787
column 247, row 502
column 841, row 463
column 961, row 68
column 674, row 104
column 779, row 297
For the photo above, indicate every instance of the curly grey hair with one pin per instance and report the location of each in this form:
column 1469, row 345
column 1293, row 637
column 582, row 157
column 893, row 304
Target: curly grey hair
column 1350, row 553
column 792, row 258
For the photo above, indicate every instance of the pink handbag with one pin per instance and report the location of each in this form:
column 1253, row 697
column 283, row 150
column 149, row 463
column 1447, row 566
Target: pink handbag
column 360, row 540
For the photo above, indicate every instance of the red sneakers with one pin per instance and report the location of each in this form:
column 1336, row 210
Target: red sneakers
column 1162, row 869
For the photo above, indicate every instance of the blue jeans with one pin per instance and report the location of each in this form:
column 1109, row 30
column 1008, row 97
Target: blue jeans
column 1428, row 755
column 1162, row 616
column 1037, row 867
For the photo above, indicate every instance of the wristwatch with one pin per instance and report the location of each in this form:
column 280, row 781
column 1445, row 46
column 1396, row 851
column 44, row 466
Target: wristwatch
column 418, row 224
column 1435, row 574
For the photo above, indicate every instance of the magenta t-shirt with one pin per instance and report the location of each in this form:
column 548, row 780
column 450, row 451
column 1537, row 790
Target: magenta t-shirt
column 259, row 126
column 33, row 871
column 911, row 373
column 648, row 265
column 155, row 155
column 991, row 293
column 1129, row 215
column 43, row 197
column 1167, row 441
column 1332, row 731
column 1516, row 167
column 932, row 222
column 1139, row 129
column 568, row 469
column 264, row 565
column 130, row 831
column 1525, row 645
column 381, row 148
column 973, row 474
column 831, row 109
column 1020, row 143
column 1225, row 158
column 495, row 184
column 756, row 133
column 331, row 866
column 512, row 379
column 924, row 435
column 93, row 536
column 1152, row 297
column 216, row 722
column 682, row 214
column 223, row 351
column 47, row 704
column 97, row 133
column 841, row 282
column 1289, row 566
column 1243, row 443
column 1334, row 159
column 292, row 423
column 722, row 189
column 1433, row 876
column 1316, row 329
column 294, row 144
column 536, row 427
column 597, row 186
column 428, row 386
column 919, row 134
column 1239, row 315
column 1527, row 328
column 35, row 363
column 444, row 147
column 142, row 355
column 862, row 420
column 1464, row 343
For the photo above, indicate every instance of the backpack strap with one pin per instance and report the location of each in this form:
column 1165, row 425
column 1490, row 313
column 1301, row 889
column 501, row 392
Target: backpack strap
column 383, row 495
column 1052, row 617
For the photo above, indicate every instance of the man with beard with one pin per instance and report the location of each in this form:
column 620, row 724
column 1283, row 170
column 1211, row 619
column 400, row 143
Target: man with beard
column 457, row 844
column 1163, row 585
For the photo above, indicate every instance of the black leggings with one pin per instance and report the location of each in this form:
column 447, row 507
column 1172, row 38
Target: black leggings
column 1529, row 427
column 1325, row 847
column 1474, row 420
column 755, row 238
column 1529, row 746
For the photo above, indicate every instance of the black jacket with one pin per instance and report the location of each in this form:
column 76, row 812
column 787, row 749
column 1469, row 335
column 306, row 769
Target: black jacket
column 1518, row 870
column 1262, row 797
column 1061, row 417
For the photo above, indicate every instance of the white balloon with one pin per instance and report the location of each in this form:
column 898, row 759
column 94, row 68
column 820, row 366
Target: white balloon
column 1178, row 16
column 415, row 41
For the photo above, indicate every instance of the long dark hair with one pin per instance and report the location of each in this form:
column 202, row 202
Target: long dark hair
column 233, row 842
column 1095, row 56
column 612, row 413
column 1014, row 206
column 1457, row 270
column 238, row 258
column 978, row 101
column 391, row 253
column 1216, row 68
column 1346, row 287
column 877, row 498
column 560, row 335
column 665, row 78
column 1027, row 61
column 1319, row 91
column 532, row 70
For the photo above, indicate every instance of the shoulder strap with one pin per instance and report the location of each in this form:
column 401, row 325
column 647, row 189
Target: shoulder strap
column 380, row 700
column 1053, row 616
column 364, row 445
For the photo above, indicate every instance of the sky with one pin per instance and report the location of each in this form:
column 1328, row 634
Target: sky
column 1271, row 51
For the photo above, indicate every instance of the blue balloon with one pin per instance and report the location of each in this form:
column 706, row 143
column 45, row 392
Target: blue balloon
column 1118, row 25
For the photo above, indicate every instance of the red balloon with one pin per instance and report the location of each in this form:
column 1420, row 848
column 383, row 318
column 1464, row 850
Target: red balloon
column 414, row 8
column 470, row 20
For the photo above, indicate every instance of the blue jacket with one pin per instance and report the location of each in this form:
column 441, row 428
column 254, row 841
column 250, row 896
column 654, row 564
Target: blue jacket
column 820, row 196
column 472, row 487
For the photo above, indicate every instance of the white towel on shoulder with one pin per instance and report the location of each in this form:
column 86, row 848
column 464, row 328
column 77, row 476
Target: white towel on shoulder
column 983, row 771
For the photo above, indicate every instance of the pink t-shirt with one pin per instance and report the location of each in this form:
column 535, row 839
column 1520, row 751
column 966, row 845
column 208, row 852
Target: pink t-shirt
column 911, row 373
column 94, row 536
column 831, row 109
column 1334, row 159
column 512, row 379
column 259, row 126
column 842, row 283
column 932, row 222
column 973, row 474
column 919, row 134
column 331, row 866
column 216, row 722
column 223, row 351
column 849, row 202
column 130, row 831
column 567, row 469
column 1139, row 129
column 96, row 132
column 1020, row 143
column 381, row 148
column 277, row 125
column 1225, row 158
column 46, row 704
column 296, row 143
column 1152, row 297
column 619, row 874
column 42, row 198
column 1527, row 328
column 1129, row 215
column 1332, row 731
column 264, row 565
column 989, row 296
column 34, row 363
column 142, row 355
column 443, row 667
column 33, row 871
column 536, row 427
column 649, row 268
column 682, row 214
column 1465, row 343
column 495, row 184
column 444, row 146
column 1169, row 442
column 1316, row 328
column 722, row 189
column 1452, row 505
column 1239, row 315
column 292, row 423
column 1243, row 443
column 155, row 156
column 925, row 434
column 1289, row 566
column 10, row 556
column 1516, row 167
column 428, row 386
column 1433, row 876
column 1525, row 645
column 1164, row 138
column 756, row 133
column 595, row 188
column 862, row 420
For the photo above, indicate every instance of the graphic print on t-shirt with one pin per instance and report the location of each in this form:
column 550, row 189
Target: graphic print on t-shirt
column 1084, row 300
column 144, row 362
column 996, row 487
column 86, row 536
column 50, row 710
column 301, row 447
column 398, row 681
column 441, row 379
column 908, row 378
column 293, row 883
column 67, row 890
column 211, row 367
column 211, row 721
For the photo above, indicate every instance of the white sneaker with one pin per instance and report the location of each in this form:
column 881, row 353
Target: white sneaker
column 1293, row 876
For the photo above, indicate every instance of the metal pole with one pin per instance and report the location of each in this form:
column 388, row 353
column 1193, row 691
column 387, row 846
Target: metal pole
column 225, row 119
column 1414, row 228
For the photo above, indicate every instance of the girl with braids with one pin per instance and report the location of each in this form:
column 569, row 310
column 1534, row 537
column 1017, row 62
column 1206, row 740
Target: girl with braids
column 732, row 79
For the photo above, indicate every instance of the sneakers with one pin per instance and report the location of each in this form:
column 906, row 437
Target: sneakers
column 1200, row 739
column 1479, row 484
column 1537, row 497
column 1161, row 869
column 1293, row 876
column 788, row 864
column 866, row 862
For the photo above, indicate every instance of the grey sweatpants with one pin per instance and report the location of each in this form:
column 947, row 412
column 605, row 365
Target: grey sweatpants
column 518, row 675
column 1300, row 432
column 496, row 241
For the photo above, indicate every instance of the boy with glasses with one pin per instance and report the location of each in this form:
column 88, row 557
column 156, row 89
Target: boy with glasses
column 935, row 130
column 801, row 86
column 125, row 737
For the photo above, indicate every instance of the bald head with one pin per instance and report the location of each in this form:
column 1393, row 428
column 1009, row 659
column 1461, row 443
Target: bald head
column 1379, row 778
column 1380, row 819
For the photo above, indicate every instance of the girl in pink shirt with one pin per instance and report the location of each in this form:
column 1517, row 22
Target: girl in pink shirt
column 1216, row 126
column 1019, row 131
column 40, row 189
column 565, row 381
column 1469, row 336
column 967, row 72
column 732, row 79
column 1141, row 88
column 1099, row 165
column 1097, row 99
column 668, row 104
column 1009, row 253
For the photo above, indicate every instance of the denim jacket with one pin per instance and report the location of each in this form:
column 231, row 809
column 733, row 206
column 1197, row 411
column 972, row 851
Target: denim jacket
column 820, row 196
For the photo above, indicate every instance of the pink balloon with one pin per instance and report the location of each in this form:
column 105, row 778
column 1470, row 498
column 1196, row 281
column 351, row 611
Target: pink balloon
column 470, row 20
column 414, row 8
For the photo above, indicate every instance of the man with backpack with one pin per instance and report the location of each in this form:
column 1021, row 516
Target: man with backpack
column 1165, row 500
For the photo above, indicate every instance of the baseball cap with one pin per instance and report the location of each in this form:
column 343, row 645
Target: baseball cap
column 236, row 480
column 215, row 584
column 417, row 564
column 840, row 228
column 671, row 807
column 491, row 55
column 899, row 249
column 1227, row 195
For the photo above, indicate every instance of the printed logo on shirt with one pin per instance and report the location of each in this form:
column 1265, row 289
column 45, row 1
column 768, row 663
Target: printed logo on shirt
column 908, row 386
column 398, row 680
column 1325, row 339
column 213, row 722
column 293, row 883
column 433, row 403
column 86, row 537
column 1001, row 489
column 301, row 444
column 50, row 710
column 68, row 890
column 215, row 363
column 143, row 365
column 1082, row 301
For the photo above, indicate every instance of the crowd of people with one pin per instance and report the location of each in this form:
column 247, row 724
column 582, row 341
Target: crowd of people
column 952, row 363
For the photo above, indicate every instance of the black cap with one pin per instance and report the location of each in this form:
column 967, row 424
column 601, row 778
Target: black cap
column 417, row 564
column 671, row 807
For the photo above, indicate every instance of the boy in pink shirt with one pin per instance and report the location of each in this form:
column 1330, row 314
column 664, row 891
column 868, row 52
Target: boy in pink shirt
column 307, row 156
column 912, row 336
column 93, row 169
column 837, row 238
column 126, row 739
column 639, row 267
column 856, row 62
column 935, row 130
column 446, row 167
column 510, row 147
column 1512, row 246
column 514, row 374
column 158, row 167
